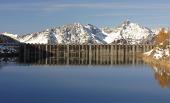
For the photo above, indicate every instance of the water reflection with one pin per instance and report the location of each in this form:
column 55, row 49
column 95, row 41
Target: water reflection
column 8, row 60
column 72, row 61
column 81, row 54
column 82, row 58
column 162, row 75
column 79, row 60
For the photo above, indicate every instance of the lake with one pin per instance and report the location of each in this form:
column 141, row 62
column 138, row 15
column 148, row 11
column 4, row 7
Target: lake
column 109, row 83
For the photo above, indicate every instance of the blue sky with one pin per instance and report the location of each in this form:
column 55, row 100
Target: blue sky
column 26, row 16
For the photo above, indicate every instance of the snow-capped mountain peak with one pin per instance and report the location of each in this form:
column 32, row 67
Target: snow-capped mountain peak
column 129, row 33
column 126, row 23
column 76, row 33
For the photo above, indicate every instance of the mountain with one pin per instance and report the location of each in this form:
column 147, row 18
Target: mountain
column 8, row 38
column 129, row 33
column 14, row 36
column 126, row 33
column 68, row 34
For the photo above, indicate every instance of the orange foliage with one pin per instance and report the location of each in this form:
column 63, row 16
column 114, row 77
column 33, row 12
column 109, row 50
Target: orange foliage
column 162, row 37
column 164, row 79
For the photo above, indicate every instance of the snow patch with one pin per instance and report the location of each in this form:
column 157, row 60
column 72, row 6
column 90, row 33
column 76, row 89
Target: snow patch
column 158, row 53
column 148, row 53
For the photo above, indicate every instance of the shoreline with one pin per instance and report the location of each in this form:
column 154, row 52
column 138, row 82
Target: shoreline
column 163, row 63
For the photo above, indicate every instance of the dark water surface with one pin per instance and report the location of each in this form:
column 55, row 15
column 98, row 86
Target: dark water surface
column 125, row 83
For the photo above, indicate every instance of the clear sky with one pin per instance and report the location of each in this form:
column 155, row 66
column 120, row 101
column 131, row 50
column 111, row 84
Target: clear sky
column 26, row 16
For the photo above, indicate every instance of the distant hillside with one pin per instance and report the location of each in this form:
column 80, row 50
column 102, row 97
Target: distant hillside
column 7, row 39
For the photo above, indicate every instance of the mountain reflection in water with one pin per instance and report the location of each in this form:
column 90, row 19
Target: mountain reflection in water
column 102, row 60
column 162, row 75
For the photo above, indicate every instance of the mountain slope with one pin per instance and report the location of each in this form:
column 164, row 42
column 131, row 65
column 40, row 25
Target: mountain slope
column 129, row 33
column 67, row 34
column 162, row 48
column 8, row 38
column 126, row 33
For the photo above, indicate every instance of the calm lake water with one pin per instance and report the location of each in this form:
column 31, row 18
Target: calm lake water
column 123, row 83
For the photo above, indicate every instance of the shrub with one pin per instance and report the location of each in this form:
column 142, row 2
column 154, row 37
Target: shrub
column 162, row 39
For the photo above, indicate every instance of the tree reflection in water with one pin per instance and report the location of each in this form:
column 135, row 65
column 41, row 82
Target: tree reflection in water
column 162, row 75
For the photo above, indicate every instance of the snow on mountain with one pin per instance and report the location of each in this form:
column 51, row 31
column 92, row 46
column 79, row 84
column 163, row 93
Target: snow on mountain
column 129, row 33
column 8, row 38
column 158, row 53
column 67, row 34
column 39, row 37
column 71, row 34
column 14, row 36
column 95, row 34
